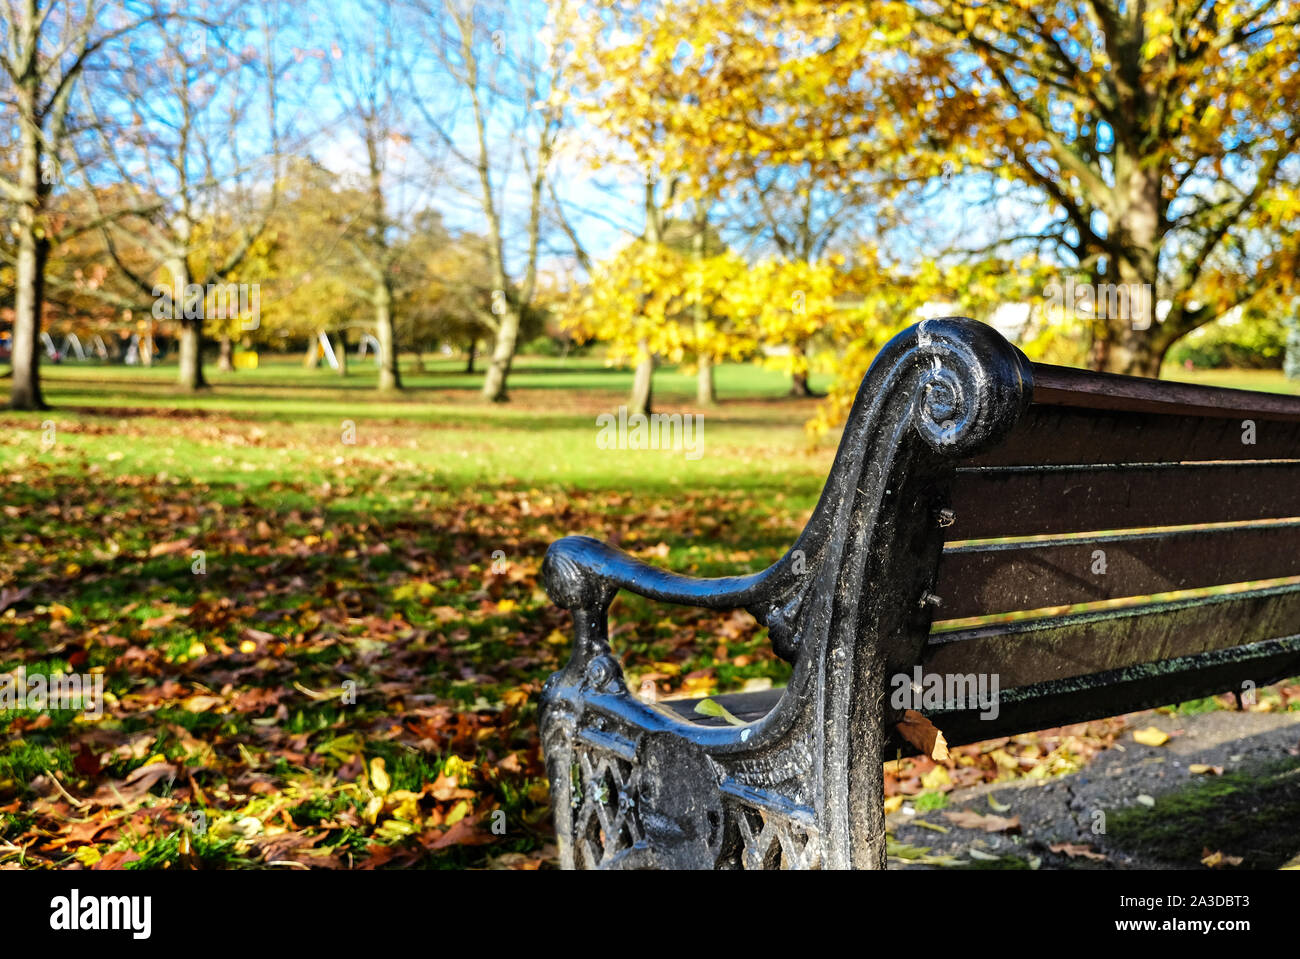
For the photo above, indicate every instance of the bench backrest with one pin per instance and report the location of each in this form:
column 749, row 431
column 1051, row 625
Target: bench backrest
column 1130, row 543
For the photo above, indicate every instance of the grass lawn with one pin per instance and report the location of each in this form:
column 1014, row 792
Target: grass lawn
column 317, row 612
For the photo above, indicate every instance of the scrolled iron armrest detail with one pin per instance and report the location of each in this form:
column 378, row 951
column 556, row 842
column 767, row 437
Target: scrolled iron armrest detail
column 581, row 573
column 973, row 388
column 584, row 573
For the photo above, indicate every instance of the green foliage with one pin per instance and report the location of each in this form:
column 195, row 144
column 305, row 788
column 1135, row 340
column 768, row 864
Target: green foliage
column 1254, row 342
column 548, row 345
column 929, row 801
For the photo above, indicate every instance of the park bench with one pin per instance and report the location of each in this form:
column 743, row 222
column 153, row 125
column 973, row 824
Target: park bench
column 1099, row 543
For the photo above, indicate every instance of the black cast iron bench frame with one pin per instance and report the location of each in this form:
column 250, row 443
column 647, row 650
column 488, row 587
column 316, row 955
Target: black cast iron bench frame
column 969, row 482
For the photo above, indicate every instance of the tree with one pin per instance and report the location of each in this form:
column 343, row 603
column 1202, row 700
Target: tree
column 448, row 290
column 743, row 108
column 314, row 282
column 46, row 51
column 867, row 299
column 1160, row 136
column 675, row 298
column 1156, row 141
column 507, row 66
column 179, row 133
column 371, row 75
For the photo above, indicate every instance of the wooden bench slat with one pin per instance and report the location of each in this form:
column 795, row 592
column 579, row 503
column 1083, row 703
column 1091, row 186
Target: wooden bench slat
column 1027, row 501
column 1039, row 650
column 1084, row 698
column 1064, row 386
column 1058, row 435
column 979, row 580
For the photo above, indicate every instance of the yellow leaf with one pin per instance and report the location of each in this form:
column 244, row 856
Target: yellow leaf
column 893, row 803
column 455, row 766
column 936, row 778
column 457, row 813
column 540, row 792
column 201, row 703
column 1005, row 760
column 379, row 775
column 408, row 805
column 1217, row 860
column 1151, row 736
column 87, row 855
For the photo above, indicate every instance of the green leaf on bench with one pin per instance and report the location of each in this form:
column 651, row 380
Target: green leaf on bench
column 707, row 707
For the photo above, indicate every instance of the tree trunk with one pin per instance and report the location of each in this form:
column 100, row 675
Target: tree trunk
column 224, row 362
column 706, row 393
column 29, row 294
column 799, row 379
column 503, row 355
column 191, row 355
column 390, row 377
column 311, row 358
column 341, row 352
column 145, row 348
column 1134, row 343
column 190, row 376
column 642, row 399
column 29, row 280
column 1131, row 352
column 470, row 355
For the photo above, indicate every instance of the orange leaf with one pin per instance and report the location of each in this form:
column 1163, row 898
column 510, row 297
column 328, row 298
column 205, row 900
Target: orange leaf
column 924, row 735
column 1074, row 850
column 966, row 819
column 162, row 549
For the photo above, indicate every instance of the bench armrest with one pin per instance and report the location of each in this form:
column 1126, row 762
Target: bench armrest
column 584, row 573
